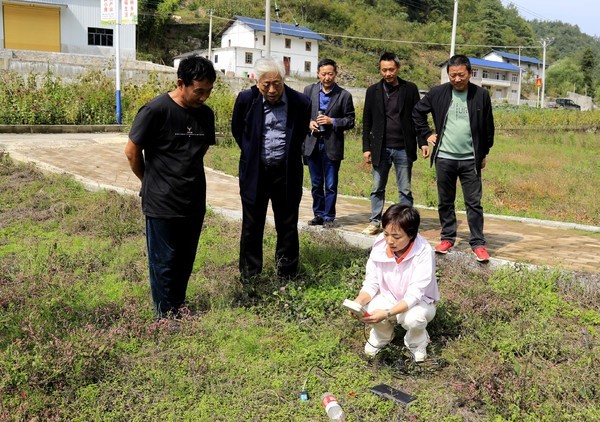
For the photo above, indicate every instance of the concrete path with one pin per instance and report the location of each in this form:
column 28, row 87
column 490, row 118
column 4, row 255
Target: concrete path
column 97, row 160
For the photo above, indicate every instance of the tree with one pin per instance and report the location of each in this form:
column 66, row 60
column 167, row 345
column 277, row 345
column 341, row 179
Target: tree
column 427, row 10
column 563, row 76
column 588, row 64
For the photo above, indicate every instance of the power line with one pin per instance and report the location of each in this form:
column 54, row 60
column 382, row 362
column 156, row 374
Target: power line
column 524, row 9
column 325, row 34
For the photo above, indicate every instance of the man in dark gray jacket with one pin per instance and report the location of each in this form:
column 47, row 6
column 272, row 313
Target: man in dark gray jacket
column 332, row 113
column 389, row 136
column 462, row 114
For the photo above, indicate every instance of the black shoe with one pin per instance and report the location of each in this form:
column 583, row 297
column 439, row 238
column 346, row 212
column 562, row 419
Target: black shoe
column 317, row 221
column 328, row 224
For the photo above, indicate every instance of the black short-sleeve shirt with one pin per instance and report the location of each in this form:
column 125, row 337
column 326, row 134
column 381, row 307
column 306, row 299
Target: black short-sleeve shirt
column 173, row 139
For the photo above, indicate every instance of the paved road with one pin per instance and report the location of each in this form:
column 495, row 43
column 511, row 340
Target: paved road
column 97, row 160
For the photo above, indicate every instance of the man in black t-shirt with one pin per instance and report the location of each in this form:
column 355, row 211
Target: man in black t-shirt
column 166, row 147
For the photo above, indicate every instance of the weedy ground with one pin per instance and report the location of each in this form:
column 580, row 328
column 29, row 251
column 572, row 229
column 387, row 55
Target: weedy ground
column 78, row 341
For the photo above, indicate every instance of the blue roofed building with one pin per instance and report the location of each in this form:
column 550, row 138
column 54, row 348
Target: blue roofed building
column 530, row 65
column 243, row 41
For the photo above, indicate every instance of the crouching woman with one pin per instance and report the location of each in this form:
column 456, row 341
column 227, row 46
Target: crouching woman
column 400, row 285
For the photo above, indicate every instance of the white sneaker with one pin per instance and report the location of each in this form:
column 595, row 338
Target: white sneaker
column 372, row 229
column 420, row 354
column 371, row 351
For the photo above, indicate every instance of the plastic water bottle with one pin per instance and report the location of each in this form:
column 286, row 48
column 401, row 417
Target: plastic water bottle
column 332, row 407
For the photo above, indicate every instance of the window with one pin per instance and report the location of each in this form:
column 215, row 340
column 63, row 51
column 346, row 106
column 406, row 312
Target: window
column 248, row 58
column 308, row 45
column 515, row 77
column 307, row 66
column 100, row 36
column 498, row 76
column 475, row 72
column 485, row 74
column 216, row 58
column 288, row 43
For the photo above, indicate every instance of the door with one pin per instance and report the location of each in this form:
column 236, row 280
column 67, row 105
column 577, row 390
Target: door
column 31, row 27
column 286, row 64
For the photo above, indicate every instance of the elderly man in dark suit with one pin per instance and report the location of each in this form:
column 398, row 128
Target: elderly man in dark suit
column 332, row 114
column 269, row 124
column 389, row 136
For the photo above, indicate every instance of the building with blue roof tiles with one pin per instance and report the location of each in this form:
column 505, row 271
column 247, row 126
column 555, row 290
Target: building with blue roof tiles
column 243, row 41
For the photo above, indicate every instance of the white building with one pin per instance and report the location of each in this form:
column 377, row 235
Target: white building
column 243, row 41
column 63, row 26
column 529, row 65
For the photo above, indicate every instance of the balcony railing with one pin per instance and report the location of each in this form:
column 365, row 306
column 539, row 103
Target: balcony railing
column 496, row 82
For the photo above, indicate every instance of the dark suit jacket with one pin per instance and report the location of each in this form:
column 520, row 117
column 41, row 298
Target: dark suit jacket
column 374, row 120
column 247, row 126
column 341, row 108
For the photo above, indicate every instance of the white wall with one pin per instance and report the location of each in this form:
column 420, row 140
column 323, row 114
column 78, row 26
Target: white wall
column 241, row 37
column 75, row 19
column 238, row 35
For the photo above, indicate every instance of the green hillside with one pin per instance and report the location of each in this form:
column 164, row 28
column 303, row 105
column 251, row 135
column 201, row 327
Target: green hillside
column 358, row 31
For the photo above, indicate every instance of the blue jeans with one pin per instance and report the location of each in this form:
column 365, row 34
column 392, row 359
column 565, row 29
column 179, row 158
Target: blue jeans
column 447, row 172
column 324, row 180
column 403, row 168
column 172, row 245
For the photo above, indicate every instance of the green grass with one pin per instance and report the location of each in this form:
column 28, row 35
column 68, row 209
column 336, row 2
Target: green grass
column 77, row 341
column 551, row 175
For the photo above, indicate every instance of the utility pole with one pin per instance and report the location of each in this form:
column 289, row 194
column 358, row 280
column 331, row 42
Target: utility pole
column 545, row 42
column 118, row 63
column 454, row 23
column 268, row 28
column 210, row 35
column 520, row 78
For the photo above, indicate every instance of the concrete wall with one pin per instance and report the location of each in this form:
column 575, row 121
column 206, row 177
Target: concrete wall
column 70, row 66
column 585, row 102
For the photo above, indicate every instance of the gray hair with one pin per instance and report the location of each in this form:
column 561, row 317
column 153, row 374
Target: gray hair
column 268, row 65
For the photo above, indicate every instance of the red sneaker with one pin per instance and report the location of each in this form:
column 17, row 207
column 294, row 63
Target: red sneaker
column 482, row 254
column 444, row 246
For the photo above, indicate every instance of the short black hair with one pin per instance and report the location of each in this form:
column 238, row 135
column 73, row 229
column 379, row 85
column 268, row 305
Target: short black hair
column 459, row 60
column 196, row 68
column 388, row 56
column 327, row 62
column 403, row 216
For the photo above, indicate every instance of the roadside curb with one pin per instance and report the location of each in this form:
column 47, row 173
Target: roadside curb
column 20, row 129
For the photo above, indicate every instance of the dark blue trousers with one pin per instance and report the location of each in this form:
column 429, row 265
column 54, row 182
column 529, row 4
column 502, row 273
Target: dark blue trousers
column 324, row 181
column 172, row 245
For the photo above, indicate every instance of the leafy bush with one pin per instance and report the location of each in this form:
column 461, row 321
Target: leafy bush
column 91, row 100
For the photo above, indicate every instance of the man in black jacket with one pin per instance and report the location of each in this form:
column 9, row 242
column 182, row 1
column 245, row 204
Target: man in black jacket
column 462, row 114
column 269, row 123
column 389, row 136
column 332, row 114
